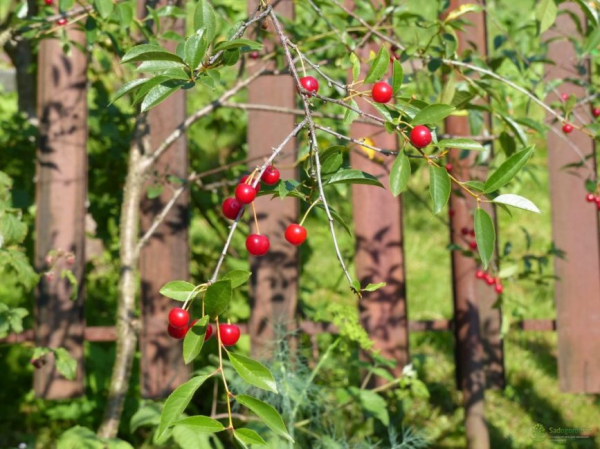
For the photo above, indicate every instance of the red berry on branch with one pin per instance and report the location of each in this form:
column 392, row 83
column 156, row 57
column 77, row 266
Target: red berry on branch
column 472, row 232
column 420, row 136
column 451, row 212
column 590, row 198
column 480, row 274
column 48, row 2
column 489, row 279
column 381, row 92
column 565, row 97
column 567, row 128
column 229, row 333
column 449, row 167
column 243, row 181
column 245, row 193
column 62, row 21
column 596, row 112
column 70, row 259
column 254, row 55
column 310, row 83
column 257, row 244
column 179, row 317
column 231, row 208
column 178, row 333
column 598, row 201
column 499, row 289
column 270, row 176
column 49, row 276
column 295, row 234
column 464, row 231
column 209, row 332
column 39, row 362
column 473, row 245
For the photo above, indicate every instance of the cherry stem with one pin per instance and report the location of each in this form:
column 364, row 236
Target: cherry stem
column 227, row 392
column 255, row 218
column 308, row 210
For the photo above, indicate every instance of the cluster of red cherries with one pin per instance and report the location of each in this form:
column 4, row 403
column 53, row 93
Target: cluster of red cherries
column 490, row 280
column 179, row 325
column 258, row 244
column 591, row 198
column 567, row 128
column 469, row 233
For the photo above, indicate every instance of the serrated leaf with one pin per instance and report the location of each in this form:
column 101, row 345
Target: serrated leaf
column 399, row 174
column 200, row 424
column 218, row 297
column 352, row 176
column 159, row 66
column 237, row 277
column 485, row 236
column 266, row 413
column 516, row 201
column 248, row 436
column 128, row 87
column 331, row 159
column 149, row 52
column 12, row 229
column 545, row 14
column 194, row 340
column 397, row 76
column 253, row 372
column 238, row 43
column 374, row 287
column 176, row 403
column 432, row 114
column 516, row 128
column 508, row 170
column 177, row 290
column 65, row 364
column 204, row 18
column 379, row 66
column 439, row 187
column 463, row 144
column 160, row 93
column 104, row 7
column 195, row 49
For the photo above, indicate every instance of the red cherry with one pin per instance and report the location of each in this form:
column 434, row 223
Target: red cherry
column 243, row 181
column 567, row 128
column 499, row 289
column 254, row 55
column 231, row 208
column 420, row 136
column 597, row 199
column 209, row 332
column 179, row 317
column 451, row 212
column 62, row 21
column 295, row 234
column 245, row 193
column 229, row 333
column 472, row 232
column 381, row 92
column 49, row 276
column 257, row 244
column 565, row 97
column 596, row 112
column 489, row 279
column 310, row 83
column 270, row 176
column 48, row 2
column 480, row 274
column 38, row 363
column 464, row 231
column 590, row 198
column 449, row 167
column 178, row 333
column 473, row 245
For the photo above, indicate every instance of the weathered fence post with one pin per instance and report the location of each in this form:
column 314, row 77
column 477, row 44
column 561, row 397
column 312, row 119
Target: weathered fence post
column 379, row 244
column 166, row 256
column 274, row 285
column 574, row 226
column 60, row 200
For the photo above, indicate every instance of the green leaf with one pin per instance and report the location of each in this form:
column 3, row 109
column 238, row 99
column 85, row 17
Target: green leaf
column 432, row 114
column 237, row 277
column 12, row 229
column 516, row 128
column 154, row 191
column 195, row 49
column 331, row 159
column 204, row 17
column 147, row 415
column 485, row 236
column 545, row 14
column 439, row 187
column 400, row 174
column 508, row 170
column 65, row 5
column 201, row 424
column 125, row 11
column 379, row 66
column 160, row 93
column 253, row 372
column 176, row 403
column 350, row 115
column 149, row 52
column 128, row 87
column 238, row 43
column 218, row 297
column 352, row 176
column 375, row 404
column 355, row 66
column 516, row 201
column 177, row 290
column 374, row 287
column 160, row 66
column 65, row 364
column 231, row 57
column 194, row 340
column 266, row 413
column 463, row 144
column 248, row 436
column 397, row 76
column 104, row 7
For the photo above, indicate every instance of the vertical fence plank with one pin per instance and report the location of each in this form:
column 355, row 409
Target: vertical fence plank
column 379, row 244
column 60, row 200
column 166, row 256
column 274, row 285
column 574, row 228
